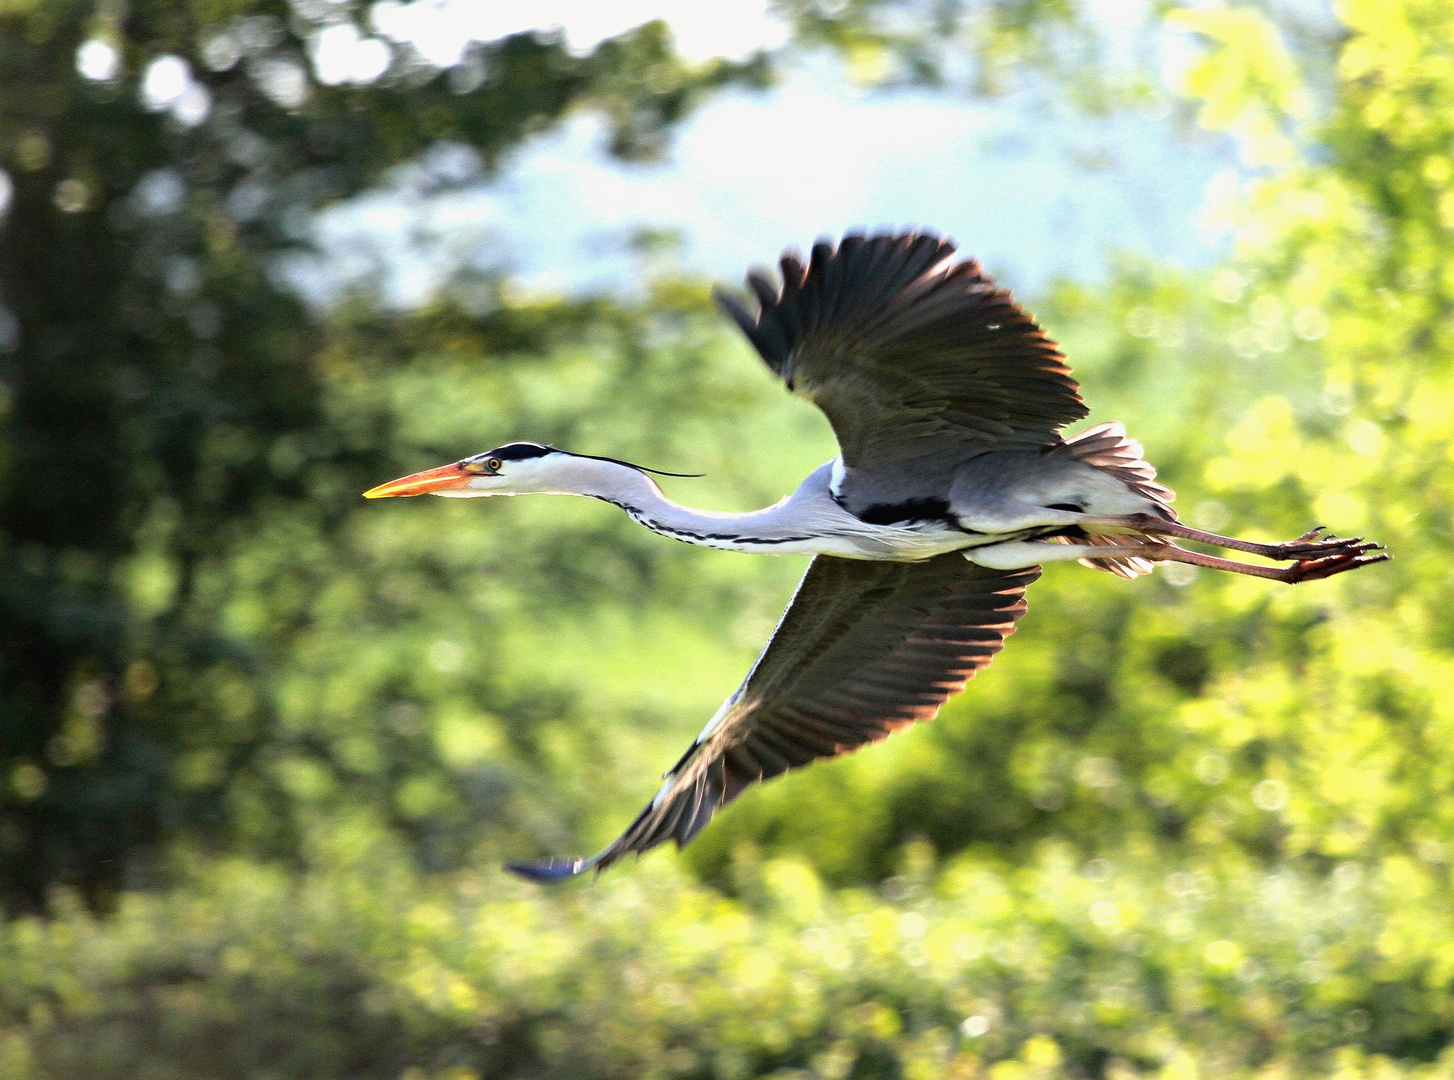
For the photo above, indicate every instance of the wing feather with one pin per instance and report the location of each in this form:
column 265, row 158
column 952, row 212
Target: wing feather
column 913, row 357
column 864, row 649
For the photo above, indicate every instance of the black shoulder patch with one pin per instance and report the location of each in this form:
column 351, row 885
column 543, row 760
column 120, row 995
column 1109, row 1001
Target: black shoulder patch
column 911, row 510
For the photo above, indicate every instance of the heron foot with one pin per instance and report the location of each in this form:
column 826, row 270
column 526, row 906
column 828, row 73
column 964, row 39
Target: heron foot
column 1312, row 545
column 1324, row 566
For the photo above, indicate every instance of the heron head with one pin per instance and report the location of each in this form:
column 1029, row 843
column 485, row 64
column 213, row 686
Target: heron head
column 513, row 469
column 519, row 468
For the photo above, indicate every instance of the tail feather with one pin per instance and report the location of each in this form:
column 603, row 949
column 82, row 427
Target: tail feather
column 1108, row 447
column 1121, row 565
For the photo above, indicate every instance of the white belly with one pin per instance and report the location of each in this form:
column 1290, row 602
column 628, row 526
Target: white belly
column 811, row 522
column 910, row 542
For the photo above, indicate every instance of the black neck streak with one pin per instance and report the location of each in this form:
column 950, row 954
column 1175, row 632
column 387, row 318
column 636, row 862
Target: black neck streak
column 688, row 536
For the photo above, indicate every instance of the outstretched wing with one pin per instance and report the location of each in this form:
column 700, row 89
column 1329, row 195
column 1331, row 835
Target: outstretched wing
column 864, row 648
column 918, row 361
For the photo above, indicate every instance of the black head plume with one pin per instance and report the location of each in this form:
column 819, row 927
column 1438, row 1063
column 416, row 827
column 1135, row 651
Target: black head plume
column 520, row 451
column 642, row 468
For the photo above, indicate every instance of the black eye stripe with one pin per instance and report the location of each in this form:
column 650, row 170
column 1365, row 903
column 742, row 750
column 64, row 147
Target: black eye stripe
column 519, row 451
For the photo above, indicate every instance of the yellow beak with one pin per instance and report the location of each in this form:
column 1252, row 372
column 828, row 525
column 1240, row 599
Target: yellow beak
column 444, row 478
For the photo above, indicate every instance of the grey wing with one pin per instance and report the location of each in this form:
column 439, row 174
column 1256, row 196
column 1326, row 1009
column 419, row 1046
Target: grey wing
column 864, row 648
column 918, row 361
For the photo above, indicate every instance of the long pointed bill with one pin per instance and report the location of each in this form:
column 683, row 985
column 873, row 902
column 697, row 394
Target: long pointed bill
column 444, row 478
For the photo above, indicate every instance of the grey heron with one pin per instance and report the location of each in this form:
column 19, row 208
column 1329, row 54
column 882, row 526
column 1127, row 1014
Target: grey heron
column 953, row 484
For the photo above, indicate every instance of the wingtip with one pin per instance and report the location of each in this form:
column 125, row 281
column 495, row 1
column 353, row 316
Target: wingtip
column 546, row 870
column 734, row 307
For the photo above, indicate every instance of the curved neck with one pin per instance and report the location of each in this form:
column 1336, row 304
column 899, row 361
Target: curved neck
column 772, row 528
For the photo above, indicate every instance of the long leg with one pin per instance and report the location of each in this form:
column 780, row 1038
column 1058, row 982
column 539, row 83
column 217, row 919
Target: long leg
column 1308, row 569
column 1308, row 546
column 1014, row 555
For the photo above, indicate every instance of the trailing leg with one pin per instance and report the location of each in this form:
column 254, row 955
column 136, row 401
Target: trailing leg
column 1308, row 546
column 1022, row 553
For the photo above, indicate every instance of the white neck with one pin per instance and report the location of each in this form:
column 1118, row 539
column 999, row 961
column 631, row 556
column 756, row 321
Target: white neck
column 808, row 522
column 787, row 526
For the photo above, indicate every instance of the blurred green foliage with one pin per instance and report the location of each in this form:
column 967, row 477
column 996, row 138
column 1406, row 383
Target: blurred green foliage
column 1184, row 827
column 164, row 393
column 1051, row 969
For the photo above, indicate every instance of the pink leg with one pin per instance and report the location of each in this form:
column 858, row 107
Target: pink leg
column 1306, row 547
column 1310, row 569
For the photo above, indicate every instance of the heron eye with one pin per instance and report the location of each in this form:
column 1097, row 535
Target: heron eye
column 494, row 464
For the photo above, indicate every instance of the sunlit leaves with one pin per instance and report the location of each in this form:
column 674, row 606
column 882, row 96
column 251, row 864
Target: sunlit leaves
column 1046, row 971
column 1244, row 82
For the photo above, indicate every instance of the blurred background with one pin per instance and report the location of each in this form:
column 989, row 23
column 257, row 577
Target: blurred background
column 263, row 745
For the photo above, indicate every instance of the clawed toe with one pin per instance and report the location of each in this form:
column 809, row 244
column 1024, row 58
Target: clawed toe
column 1312, row 546
column 1327, row 565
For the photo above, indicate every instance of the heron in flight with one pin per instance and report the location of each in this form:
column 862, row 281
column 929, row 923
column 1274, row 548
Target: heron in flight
column 952, row 485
